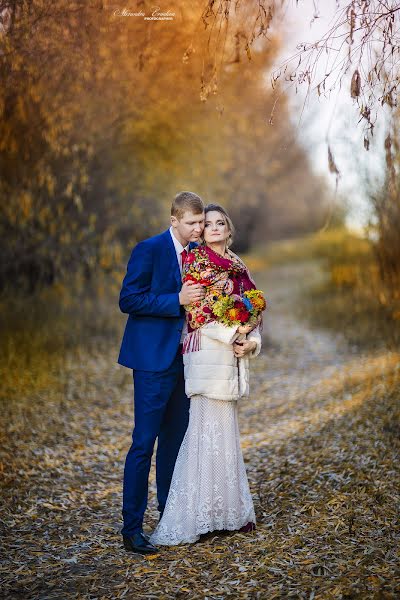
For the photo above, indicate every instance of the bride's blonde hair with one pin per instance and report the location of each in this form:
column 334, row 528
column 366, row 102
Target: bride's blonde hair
column 228, row 221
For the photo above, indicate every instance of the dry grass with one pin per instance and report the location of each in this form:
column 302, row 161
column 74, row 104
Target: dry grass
column 339, row 245
column 349, row 296
column 40, row 330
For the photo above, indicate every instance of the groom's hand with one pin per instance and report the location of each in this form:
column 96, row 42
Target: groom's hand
column 191, row 292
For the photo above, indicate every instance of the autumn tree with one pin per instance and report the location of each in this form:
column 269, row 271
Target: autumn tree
column 103, row 119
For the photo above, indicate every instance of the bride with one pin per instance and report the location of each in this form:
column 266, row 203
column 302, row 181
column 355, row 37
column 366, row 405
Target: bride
column 209, row 489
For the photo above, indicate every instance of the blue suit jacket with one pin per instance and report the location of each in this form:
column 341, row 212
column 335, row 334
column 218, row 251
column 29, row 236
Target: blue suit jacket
column 150, row 296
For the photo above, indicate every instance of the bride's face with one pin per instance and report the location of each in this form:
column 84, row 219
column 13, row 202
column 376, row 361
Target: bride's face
column 216, row 229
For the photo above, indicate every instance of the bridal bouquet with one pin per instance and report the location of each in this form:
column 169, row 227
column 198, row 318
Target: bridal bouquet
column 239, row 310
column 224, row 280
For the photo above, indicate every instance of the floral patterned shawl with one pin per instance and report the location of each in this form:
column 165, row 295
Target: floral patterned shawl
column 218, row 275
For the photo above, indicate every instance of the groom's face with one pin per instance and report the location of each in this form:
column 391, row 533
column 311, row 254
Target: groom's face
column 189, row 228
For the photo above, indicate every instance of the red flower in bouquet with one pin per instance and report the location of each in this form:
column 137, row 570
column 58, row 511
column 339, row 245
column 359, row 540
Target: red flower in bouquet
column 243, row 316
column 239, row 304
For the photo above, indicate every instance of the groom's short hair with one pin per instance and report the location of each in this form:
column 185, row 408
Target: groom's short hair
column 186, row 201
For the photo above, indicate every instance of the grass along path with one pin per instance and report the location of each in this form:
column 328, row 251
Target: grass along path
column 321, row 439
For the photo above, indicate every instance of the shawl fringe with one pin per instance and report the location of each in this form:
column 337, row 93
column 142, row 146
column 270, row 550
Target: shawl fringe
column 192, row 342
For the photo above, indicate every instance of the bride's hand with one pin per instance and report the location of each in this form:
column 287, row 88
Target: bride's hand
column 245, row 329
column 240, row 349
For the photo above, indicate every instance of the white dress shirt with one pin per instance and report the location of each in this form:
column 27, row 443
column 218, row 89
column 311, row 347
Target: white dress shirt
column 178, row 249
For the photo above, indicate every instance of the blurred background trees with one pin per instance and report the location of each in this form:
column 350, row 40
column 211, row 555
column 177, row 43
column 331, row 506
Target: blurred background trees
column 385, row 218
column 104, row 118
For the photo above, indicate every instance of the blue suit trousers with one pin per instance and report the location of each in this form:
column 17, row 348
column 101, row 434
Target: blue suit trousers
column 161, row 411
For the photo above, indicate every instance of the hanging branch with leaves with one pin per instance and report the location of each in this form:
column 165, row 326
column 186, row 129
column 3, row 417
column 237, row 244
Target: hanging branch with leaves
column 363, row 41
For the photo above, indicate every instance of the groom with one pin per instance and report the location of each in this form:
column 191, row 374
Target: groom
column 153, row 296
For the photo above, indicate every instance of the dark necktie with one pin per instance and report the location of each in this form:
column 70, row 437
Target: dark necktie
column 183, row 255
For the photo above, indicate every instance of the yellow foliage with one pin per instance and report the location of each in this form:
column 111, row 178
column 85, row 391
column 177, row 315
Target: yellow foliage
column 69, row 189
column 344, row 275
column 26, row 205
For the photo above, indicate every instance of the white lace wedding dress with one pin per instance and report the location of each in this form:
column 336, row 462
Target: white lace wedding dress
column 209, row 489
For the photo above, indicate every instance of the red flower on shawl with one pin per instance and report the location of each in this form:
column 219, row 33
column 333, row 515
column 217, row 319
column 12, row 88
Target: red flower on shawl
column 190, row 277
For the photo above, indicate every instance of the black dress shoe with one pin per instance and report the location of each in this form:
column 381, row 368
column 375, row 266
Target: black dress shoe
column 138, row 543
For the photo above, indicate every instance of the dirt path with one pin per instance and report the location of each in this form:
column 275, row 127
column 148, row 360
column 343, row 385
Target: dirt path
column 295, row 358
column 321, row 454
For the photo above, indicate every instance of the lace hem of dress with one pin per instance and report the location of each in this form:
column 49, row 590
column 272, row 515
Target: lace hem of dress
column 209, row 489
